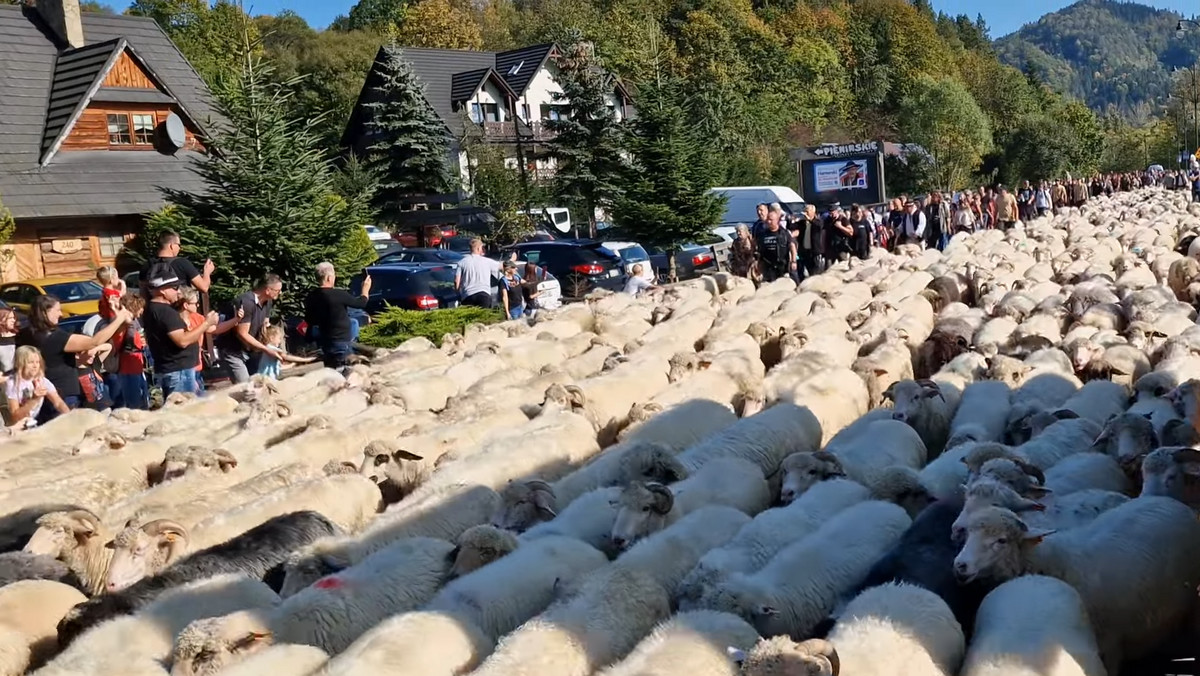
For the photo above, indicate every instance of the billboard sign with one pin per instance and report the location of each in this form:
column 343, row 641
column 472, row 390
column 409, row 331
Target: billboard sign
column 845, row 173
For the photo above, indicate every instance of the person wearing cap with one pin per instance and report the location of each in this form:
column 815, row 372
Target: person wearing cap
column 175, row 349
column 850, row 175
column 776, row 249
column 839, row 233
column 912, row 227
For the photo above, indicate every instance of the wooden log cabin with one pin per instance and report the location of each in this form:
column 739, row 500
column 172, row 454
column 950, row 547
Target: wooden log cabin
column 98, row 113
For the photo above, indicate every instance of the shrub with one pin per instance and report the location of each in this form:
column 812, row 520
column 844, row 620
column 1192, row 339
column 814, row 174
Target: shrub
column 394, row 326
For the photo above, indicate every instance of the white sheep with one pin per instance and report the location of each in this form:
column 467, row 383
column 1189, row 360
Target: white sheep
column 137, row 645
column 1135, row 567
column 426, row 643
column 1086, row 470
column 764, row 439
column 883, row 444
column 767, row 534
column 1058, row 441
column 835, row 557
column 898, row 629
column 697, row 643
column 1098, row 401
column 982, row 413
column 601, row 624
column 589, row 518
column 29, row 614
column 835, row 397
column 1033, row 625
column 929, row 407
column 330, row 614
column 444, row 515
column 668, row 555
column 678, row 427
column 280, row 659
column 347, row 500
column 501, row 596
column 1060, row 513
column 78, row 538
column 646, row 508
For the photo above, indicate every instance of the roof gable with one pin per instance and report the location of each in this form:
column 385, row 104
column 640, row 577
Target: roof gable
column 518, row 66
column 465, row 85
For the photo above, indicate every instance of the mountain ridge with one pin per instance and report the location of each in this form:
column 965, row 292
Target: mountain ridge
column 1113, row 55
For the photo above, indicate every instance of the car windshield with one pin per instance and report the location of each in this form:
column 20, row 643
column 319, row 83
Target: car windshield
column 793, row 207
column 441, row 279
column 633, row 254
column 74, row 292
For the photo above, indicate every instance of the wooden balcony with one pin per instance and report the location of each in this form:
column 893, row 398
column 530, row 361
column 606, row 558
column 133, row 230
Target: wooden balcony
column 506, row 132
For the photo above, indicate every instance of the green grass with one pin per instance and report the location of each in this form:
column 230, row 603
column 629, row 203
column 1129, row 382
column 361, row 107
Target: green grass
column 394, row 326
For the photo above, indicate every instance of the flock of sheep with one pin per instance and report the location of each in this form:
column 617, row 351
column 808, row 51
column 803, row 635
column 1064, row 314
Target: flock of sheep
column 974, row 462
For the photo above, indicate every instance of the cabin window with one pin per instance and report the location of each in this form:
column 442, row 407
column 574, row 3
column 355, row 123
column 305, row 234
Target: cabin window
column 131, row 129
column 143, row 129
column 118, row 130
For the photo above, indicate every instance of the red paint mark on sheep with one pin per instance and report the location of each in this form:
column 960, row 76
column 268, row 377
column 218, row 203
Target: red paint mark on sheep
column 329, row 583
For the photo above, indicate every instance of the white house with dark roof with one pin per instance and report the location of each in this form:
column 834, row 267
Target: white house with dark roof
column 98, row 113
column 509, row 95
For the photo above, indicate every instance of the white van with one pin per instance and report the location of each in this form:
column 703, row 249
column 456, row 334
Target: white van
column 742, row 204
column 559, row 217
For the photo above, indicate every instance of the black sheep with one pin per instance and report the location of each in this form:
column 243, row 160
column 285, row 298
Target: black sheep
column 924, row 557
column 255, row 552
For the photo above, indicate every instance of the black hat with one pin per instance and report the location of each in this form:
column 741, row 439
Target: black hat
column 164, row 282
column 850, row 165
column 836, row 206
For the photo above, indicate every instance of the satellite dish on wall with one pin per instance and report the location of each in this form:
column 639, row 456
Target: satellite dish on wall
column 176, row 133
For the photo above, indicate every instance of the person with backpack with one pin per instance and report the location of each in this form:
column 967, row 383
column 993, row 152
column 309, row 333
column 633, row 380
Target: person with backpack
column 776, row 249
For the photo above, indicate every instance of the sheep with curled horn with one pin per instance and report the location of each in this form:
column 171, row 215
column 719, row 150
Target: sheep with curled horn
column 143, row 550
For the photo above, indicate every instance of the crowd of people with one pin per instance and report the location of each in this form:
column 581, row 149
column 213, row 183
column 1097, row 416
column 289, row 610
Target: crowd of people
column 49, row 371
column 799, row 245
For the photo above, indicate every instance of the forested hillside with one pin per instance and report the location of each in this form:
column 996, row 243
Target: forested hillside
column 1117, row 55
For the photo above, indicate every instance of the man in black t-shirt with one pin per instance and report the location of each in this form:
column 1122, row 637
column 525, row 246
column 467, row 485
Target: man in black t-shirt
column 184, row 271
column 325, row 311
column 776, row 249
column 175, row 349
column 240, row 348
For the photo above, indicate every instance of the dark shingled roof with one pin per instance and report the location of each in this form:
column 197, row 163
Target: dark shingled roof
column 518, row 66
column 42, row 85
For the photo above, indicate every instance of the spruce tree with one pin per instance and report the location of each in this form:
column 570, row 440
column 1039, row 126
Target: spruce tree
column 411, row 147
column 270, row 203
column 587, row 145
column 664, row 199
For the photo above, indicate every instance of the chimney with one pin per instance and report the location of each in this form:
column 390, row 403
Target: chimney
column 63, row 18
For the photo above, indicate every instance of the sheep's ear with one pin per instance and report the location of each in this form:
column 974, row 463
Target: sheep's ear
column 768, row 611
column 1065, row 414
column 1035, row 537
column 541, row 501
column 881, row 373
column 110, row 545
column 381, row 459
column 1148, row 416
column 452, row 555
column 406, row 455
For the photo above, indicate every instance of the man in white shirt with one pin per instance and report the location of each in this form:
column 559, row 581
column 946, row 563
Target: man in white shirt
column 637, row 284
column 914, row 225
column 475, row 276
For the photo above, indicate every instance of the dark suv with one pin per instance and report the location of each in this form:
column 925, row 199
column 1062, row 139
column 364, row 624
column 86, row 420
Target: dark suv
column 412, row 286
column 579, row 265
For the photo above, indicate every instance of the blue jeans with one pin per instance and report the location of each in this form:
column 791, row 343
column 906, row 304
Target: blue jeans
column 336, row 354
column 112, row 383
column 516, row 312
column 178, row 381
column 134, row 393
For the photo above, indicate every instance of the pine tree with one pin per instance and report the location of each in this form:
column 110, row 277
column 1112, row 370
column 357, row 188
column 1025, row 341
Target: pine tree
column 664, row 200
column 270, row 203
column 587, row 146
column 411, row 147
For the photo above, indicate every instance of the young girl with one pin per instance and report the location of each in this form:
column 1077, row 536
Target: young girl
column 271, row 363
column 131, row 364
column 114, row 288
column 28, row 389
column 8, row 339
column 189, row 311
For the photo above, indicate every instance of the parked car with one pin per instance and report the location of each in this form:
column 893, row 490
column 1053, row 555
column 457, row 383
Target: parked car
column 444, row 256
column 74, row 323
column 579, row 265
column 379, row 238
column 458, row 243
column 631, row 254
column 78, row 295
column 690, row 261
column 558, row 218
column 742, row 201
column 412, row 286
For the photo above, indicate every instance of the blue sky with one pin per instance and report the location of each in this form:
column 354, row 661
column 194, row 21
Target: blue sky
column 1003, row 16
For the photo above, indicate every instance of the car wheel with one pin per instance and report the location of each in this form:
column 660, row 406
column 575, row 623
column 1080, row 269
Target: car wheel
column 577, row 286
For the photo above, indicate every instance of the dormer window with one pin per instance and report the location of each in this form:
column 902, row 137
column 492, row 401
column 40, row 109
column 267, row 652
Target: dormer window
column 130, row 129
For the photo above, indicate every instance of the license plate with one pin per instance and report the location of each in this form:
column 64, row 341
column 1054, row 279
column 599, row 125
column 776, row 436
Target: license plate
column 613, row 273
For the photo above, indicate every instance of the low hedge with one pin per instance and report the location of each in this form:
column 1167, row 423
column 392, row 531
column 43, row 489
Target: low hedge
column 394, row 326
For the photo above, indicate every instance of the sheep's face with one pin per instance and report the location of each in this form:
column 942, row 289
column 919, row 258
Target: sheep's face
column 740, row 596
column 524, row 505
column 985, row 493
column 1168, row 471
column 801, row 471
column 98, row 440
column 1126, row 437
column 210, row 645
column 1185, row 397
column 681, row 365
column 142, row 551
column 642, row 510
column 996, row 542
column 650, row 463
column 1008, row 371
column 910, row 399
column 478, row 546
column 1179, row 432
column 60, row 532
column 779, row 656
